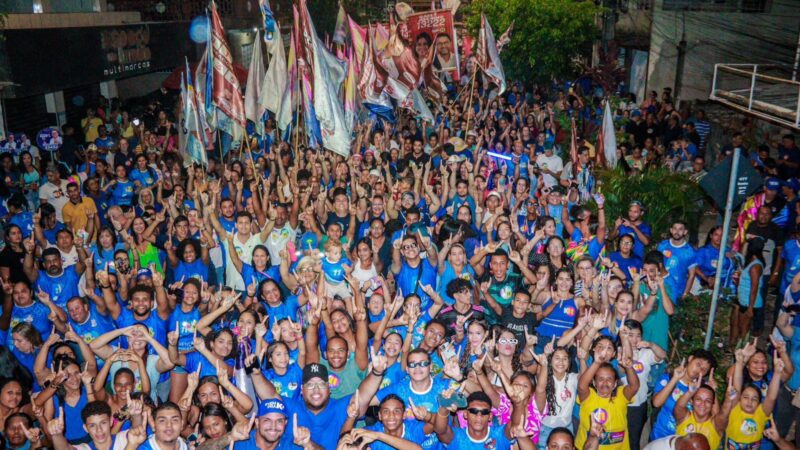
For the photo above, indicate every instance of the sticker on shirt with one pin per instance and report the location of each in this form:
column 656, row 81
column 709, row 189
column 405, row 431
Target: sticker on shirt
column 334, row 381
column 667, row 253
column 491, row 444
column 566, row 394
column 506, row 292
column 570, row 311
column 638, row 366
column 600, row 416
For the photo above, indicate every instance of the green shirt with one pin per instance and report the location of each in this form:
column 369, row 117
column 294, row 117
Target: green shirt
column 655, row 327
column 347, row 380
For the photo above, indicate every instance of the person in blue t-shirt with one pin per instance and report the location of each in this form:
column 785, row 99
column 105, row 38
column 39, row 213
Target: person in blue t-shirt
column 707, row 264
column 670, row 388
column 680, row 260
column 394, row 430
column 274, row 429
column 26, row 310
column 624, row 258
column 59, row 283
column 479, row 433
column 143, row 176
column 634, row 226
column 410, row 270
column 87, row 319
column 123, row 188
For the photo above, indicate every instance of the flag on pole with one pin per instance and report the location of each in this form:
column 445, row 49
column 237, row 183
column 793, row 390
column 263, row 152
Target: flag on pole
column 340, row 32
column 227, row 97
column 401, row 66
column 328, row 74
column 194, row 150
column 275, row 81
column 350, row 109
column 358, row 37
column 609, row 137
column 488, row 57
column 269, row 20
column 290, row 96
column 505, row 37
column 253, row 110
column 371, row 83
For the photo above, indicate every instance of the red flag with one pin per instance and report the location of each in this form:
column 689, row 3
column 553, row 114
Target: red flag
column 227, row 94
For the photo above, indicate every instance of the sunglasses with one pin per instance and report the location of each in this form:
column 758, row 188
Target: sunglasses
column 408, row 246
column 415, row 364
column 507, row 341
column 482, row 412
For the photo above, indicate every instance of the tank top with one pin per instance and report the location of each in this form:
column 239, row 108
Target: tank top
column 707, row 429
column 560, row 320
column 72, row 417
column 745, row 283
column 150, row 256
column 744, row 430
column 363, row 275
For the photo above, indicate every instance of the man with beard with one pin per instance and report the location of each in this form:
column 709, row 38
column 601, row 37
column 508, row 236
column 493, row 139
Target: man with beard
column 141, row 311
column 680, row 260
column 322, row 415
column 60, row 283
column 270, row 432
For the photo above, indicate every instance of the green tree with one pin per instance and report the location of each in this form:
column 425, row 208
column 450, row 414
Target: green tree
column 548, row 34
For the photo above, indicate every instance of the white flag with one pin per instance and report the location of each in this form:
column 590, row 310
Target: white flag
column 253, row 109
column 609, row 137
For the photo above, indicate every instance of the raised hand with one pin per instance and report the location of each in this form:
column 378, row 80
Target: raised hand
column 420, row 412
column 680, row 371
column 302, row 435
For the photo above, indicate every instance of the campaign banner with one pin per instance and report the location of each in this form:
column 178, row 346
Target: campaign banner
column 433, row 31
column 49, row 139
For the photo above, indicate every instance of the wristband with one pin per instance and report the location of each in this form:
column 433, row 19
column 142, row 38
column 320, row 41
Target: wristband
column 378, row 374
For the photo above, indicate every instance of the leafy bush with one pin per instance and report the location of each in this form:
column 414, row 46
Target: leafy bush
column 667, row 197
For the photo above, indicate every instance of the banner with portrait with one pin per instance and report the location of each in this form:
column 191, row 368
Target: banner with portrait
column 433, row 31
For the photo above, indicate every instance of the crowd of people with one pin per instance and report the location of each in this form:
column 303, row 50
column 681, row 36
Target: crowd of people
column 448, row 285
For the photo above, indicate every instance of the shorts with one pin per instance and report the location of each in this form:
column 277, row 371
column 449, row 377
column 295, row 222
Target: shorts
column 758, row 318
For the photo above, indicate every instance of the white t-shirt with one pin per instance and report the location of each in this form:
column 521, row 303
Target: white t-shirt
column 566, row 391
column 277, row 240
column 643, row 361
column 55, row 195
column 552, row 163
column 233, row 279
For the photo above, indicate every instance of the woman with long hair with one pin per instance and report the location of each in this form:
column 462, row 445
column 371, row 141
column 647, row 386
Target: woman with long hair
column 750, row 293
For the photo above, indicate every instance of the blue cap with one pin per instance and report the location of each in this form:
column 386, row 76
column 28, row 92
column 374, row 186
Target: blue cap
column 636, row 113
column 773, row 184
column 793, row 184
column 144, row 273
column 272, row 405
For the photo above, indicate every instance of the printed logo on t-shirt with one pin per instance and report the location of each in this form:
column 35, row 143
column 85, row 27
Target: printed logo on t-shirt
column 334, row 381
column 566, row 394
column 490, row 444
column 749, row 427
column 506, row 292
column 600, row 416
column 292, row 386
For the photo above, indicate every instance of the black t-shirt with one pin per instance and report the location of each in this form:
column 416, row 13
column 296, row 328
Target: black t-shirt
column 517, row 326
column 343, row 221
column 13, row 260
column 773, row 237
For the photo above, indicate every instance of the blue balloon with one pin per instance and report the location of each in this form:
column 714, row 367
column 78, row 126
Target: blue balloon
column 198, row 29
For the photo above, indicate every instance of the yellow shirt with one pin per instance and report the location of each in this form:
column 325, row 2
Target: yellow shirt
column 75, row 216
column 707, row 429
column 91, row 134
column 745, row 429
column 611, row 413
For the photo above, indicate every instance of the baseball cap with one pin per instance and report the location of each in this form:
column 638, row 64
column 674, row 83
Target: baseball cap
column 144, row 273
column 313, row 371
column 636, row 113
column 272, row 405
column 793, row 184
column 496, row 194
column 375, row 173
column 91, row 148
column 773, row 184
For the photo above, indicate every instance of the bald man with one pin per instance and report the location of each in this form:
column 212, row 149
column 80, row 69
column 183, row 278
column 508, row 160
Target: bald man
column 692, row 441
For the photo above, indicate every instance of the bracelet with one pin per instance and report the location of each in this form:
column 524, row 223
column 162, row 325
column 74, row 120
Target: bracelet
column 446, row 415
column 378, row 374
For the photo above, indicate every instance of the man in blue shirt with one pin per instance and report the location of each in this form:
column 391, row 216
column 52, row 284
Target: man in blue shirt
column 25, row 309
column 59, row 283
column 479, row 433
column 410, row 270
column 88, row 321
column 679, row 260
column 274, row 430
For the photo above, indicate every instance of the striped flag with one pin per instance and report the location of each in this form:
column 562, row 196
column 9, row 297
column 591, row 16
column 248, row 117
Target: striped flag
column 229, row 111
column 350, row 108
column 340, row 32
column 290, row 97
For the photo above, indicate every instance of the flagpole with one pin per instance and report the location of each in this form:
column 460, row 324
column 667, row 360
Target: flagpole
column 219, row 143
column 471, row 95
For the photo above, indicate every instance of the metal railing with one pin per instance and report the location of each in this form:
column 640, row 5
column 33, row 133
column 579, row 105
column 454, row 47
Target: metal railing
column 767, row 91
column 159, row 10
